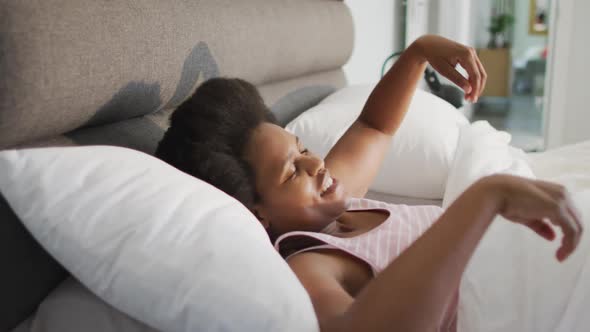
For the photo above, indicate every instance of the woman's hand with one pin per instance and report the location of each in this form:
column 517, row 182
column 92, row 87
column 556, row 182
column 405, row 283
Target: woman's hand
column 535, row 204
column 444, row 55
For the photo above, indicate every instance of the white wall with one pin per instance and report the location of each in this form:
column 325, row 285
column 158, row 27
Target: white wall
column 377, row 25
column 420, row 19
column 453, row 20
column 480, row 20
column 568, row 113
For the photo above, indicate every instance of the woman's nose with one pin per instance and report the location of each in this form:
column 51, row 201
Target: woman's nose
column 313, row 164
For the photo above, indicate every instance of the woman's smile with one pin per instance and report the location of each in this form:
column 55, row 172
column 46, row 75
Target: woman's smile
column 329, row 186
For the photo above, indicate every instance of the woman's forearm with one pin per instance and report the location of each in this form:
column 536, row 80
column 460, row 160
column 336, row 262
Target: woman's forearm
column 389, row 101
column 411, row 294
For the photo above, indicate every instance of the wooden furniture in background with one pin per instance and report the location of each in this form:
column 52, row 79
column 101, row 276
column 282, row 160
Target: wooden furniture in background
column 496, row 62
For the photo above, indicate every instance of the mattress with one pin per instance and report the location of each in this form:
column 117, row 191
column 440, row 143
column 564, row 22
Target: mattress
column 500, row 290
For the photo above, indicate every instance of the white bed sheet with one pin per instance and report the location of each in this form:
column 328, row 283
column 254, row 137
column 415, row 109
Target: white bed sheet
column 513, row 281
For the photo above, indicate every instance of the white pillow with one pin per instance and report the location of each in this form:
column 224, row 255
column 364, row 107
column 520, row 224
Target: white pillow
column 418, row 161
column 482, row 150
column 160, row 245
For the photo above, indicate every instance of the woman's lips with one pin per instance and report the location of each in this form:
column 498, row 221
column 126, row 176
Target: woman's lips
column 331, row 188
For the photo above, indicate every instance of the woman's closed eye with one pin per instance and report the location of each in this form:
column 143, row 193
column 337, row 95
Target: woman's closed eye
column 294, row 174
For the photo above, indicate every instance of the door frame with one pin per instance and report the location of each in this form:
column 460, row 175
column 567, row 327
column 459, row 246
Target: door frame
column 556, row 81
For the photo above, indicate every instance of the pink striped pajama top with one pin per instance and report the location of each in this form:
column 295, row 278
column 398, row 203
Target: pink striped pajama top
column 382, row 244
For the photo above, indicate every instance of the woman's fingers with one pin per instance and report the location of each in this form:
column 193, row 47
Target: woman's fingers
column 484, row 76
column 561, row 217
column 576, row 215
column 444, row 55
column 448, row 71
column 571, row 237
column 535, row 203
column 559, row 208
column 468, row 61
column 542, row 228
column 563, row 197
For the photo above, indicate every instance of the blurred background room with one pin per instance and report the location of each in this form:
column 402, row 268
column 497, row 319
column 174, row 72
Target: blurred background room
column 534, row 52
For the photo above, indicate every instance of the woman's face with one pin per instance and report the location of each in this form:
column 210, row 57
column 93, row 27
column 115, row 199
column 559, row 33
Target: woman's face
column 296, row 191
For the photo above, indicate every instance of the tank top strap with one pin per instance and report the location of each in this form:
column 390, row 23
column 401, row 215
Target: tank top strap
column 325, row 241
column 354, row 246
column 356, row 204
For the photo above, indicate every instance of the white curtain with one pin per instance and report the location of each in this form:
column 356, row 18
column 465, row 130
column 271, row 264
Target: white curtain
column 454, row 19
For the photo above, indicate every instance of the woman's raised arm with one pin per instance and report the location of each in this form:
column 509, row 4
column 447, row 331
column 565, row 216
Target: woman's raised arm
column 358, row 154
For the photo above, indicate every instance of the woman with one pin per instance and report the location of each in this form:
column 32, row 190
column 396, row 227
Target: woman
column 225, row 135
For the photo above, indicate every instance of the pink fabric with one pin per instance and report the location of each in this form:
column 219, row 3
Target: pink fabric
column 384, row 243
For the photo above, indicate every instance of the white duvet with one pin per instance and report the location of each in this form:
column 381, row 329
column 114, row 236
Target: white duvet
column 513, row 281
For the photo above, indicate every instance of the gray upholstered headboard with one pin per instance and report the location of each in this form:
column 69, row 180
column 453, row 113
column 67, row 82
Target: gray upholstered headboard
column 79, row 72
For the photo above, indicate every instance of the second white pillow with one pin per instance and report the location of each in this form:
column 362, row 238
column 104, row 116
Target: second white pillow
column 418, row 161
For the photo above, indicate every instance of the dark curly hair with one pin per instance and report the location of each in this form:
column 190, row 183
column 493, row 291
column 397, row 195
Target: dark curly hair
column 208, row 133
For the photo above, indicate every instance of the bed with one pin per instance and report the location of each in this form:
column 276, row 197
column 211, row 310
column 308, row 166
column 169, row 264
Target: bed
column 487, row 291
column 110, row 73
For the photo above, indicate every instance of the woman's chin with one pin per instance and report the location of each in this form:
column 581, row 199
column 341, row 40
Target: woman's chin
column 335, row 206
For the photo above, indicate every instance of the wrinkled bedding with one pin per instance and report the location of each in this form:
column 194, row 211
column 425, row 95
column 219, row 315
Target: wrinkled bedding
column 513, row 281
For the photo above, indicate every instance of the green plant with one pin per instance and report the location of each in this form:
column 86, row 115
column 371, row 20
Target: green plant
column 499, row 23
